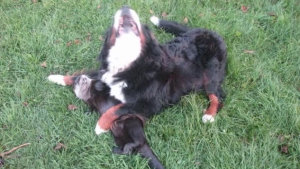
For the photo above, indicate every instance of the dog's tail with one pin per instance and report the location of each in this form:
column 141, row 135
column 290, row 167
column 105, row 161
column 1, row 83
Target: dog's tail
column 169, row 26
column 147, row 153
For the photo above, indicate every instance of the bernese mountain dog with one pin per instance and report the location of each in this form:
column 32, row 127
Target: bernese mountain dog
column 147, row 77
column 127, row 130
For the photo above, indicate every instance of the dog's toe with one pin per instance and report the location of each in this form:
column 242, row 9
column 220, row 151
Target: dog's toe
column 58, row 79
column 99, row 130
column 208, row 118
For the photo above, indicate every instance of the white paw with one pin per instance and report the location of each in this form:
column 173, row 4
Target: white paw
column 208, row 118
column 58, row 79
column 154, row 20
column 107, row 78
column 99, row 130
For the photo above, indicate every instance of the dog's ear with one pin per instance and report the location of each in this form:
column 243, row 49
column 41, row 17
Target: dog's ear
column 148, row 33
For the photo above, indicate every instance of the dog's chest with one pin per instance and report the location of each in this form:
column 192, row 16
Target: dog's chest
column 121, row 55
column 125, row 51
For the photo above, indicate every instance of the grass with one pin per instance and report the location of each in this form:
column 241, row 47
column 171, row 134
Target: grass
column 261, row 112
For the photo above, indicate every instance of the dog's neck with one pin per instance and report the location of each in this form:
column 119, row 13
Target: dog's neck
column 125, row 51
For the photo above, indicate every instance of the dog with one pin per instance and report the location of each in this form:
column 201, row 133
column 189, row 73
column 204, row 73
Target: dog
column 147, row 77
column 127, row 130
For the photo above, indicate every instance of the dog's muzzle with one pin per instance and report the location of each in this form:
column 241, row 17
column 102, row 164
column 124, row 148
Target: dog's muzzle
column 127, row 21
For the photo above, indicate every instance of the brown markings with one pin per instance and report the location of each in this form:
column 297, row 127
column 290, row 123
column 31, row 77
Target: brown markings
column 68, row 80
column 112, row 39
column 106, row 120
column 142, row 39
column 214, row 104
column 214, row 101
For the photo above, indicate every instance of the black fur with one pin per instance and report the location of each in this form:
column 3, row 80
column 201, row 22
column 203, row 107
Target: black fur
column 127, row 130
column 193, row 61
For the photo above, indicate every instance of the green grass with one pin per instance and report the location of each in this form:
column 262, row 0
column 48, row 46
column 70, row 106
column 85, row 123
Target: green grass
column 261, row 112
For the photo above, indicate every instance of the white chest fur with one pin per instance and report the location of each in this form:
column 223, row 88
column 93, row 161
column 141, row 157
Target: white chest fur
column 126, row 50
column 116, row 88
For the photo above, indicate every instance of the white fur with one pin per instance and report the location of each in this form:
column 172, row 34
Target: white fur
column 116, row 90
column 126, row 50
column 99, row 130
column 154, row 20
column 117, row 18
column 208, row 118
column 58, row 79
column 136, row 19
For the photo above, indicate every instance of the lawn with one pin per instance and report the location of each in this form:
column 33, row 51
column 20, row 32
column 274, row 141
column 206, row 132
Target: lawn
column 258, row 127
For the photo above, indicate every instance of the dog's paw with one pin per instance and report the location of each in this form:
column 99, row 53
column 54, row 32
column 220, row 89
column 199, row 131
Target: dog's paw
column 108, row 78
column 208, row 118
column 117, row 150
column 58, row 79
column 99, row 130
column 154, row 20
column 128, row 148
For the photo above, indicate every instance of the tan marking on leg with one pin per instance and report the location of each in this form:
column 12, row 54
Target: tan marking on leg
column 106, row 120
column 213, row 107
column 68, row 80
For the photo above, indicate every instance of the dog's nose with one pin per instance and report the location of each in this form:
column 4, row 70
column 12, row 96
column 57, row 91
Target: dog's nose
column 125, row 11
column 125, row 7
column 83, row 78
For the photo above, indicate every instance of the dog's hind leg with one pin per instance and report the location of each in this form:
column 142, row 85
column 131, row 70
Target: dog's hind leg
column 212, row 84
column 211, row 112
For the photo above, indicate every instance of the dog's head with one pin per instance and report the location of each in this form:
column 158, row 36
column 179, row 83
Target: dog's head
column 82, row 87
column 127, row 23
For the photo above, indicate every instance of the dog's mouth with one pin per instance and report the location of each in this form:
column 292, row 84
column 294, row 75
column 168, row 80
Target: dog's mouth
column 127, row 21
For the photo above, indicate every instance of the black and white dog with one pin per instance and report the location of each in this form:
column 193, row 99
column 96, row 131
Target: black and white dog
column 147, row 77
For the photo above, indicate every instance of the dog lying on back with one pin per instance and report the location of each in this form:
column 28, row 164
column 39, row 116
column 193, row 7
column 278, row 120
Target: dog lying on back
column 147, row 77
column 127, row 130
